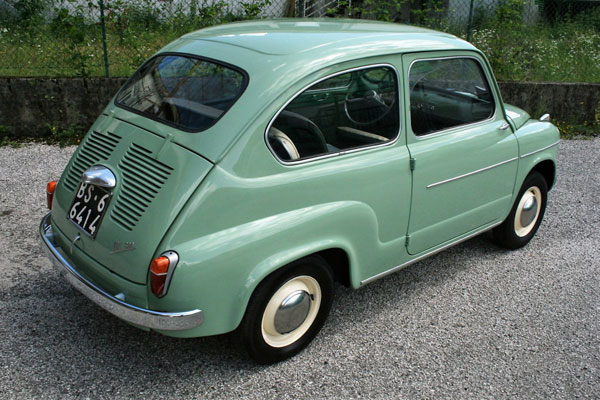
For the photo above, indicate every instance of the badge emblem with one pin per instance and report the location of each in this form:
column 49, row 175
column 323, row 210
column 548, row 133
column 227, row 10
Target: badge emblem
column 127, row 246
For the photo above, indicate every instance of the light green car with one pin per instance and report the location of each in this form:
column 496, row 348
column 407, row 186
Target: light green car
column 245, row 168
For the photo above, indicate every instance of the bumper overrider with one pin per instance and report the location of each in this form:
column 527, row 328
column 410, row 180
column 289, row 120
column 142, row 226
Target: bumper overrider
column 168, row 321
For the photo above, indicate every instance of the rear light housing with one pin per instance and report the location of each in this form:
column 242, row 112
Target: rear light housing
column 161, row 271
column 50, row 188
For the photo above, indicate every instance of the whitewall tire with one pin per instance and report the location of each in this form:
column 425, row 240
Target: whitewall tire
column 526, row 214
column 287, row 310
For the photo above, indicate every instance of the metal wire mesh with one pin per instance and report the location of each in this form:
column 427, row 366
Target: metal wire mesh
column 112, row 37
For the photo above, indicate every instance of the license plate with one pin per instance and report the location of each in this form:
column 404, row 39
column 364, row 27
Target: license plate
column 88, row 207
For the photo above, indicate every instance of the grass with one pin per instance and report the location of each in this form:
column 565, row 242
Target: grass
column 42, row 54
column 71, row 45
column 569, row 52
column 71, row 135
column 565, row 52
column 577, row 131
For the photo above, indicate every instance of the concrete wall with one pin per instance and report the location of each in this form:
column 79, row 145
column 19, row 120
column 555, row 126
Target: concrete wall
column 30, row 107
column 569, row 102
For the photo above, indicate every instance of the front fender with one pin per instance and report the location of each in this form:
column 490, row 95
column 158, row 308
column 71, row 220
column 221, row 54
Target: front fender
column 538, row 143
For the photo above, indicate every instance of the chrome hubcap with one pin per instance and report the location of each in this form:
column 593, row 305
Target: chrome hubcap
column 292, row 312
column 529, row 211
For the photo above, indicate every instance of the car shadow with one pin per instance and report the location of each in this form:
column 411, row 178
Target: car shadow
column 57, row 332
column 398, row 289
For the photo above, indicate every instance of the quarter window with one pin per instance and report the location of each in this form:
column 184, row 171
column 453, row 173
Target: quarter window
column 350, row 110
column 181, row 90
column 448, row 92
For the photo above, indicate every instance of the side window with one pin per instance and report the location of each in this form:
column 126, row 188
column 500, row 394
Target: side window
column 448, row 92
column 346, row 111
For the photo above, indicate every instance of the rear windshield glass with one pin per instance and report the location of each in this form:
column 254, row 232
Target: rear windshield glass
column 188, row 92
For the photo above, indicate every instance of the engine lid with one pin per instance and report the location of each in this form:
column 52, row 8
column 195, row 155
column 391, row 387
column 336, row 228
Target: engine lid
column 154, row 179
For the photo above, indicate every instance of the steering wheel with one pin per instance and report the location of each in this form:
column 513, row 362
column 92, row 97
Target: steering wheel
column 364, row 106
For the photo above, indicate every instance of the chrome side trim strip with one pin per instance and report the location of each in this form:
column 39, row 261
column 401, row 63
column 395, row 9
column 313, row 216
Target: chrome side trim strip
column 168, row 321
column 542, row 149
column 471, row 173
column 421, row 257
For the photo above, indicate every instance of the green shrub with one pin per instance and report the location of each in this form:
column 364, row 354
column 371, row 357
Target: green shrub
column 429, row 13
column 69, row 43
column 252, row 9
column 509, row 14
column 589, row 19
column 29, row 12
column 567, row 52
column 71, row 135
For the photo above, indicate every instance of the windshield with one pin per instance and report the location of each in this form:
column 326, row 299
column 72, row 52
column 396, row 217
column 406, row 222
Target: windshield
column 181, row 90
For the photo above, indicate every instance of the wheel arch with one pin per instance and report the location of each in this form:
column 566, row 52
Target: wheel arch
column 338, row 258
column 339, row 261
column 273, row 327
column 548, row 170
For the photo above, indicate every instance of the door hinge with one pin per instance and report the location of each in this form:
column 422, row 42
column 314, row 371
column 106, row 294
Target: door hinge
column 412, row 164
column 407, row 240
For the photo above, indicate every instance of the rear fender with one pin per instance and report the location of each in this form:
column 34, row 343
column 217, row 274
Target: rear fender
column 219, row 272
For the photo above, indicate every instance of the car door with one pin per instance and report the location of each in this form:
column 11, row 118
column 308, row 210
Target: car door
column 464, row 154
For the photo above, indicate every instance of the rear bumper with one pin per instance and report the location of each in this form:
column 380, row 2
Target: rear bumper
column 167, row 321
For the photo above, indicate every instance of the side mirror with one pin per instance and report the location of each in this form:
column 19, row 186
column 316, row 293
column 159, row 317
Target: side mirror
column 545, row 118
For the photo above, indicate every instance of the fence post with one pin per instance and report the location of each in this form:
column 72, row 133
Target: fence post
column 103, row 37
column 470, row 21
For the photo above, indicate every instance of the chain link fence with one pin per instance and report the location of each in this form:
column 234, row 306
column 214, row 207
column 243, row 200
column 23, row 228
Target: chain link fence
column 113, row 37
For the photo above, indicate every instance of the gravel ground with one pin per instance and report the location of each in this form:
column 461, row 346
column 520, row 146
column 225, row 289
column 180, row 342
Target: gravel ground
column 472, row 322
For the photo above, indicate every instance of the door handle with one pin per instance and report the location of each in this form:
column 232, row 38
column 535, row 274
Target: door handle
column 504, row 126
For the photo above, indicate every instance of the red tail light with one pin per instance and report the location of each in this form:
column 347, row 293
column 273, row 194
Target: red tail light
column 50, row 188
column 161, row 270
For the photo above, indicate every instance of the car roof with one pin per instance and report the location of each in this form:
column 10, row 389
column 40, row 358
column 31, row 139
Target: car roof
column 281, row 56
column 317, row 38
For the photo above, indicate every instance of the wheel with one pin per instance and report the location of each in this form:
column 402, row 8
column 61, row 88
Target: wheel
column 526, row 215
column 287, row 310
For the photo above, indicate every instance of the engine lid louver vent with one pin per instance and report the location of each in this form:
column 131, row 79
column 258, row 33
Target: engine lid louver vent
column 143, row 177
column 95, row 148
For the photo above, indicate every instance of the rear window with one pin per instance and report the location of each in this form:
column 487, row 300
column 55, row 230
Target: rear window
column 184, row 91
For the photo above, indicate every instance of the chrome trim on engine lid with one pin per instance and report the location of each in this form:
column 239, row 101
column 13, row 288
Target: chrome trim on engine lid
column 99, row 175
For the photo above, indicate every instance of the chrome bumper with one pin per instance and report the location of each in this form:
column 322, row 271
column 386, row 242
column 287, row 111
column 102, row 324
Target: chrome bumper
column 168, row 321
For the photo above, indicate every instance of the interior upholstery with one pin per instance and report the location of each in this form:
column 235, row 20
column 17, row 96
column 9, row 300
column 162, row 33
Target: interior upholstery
column 304, row 134
column 347, row 111
column 359, row 136
column 283, row 145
